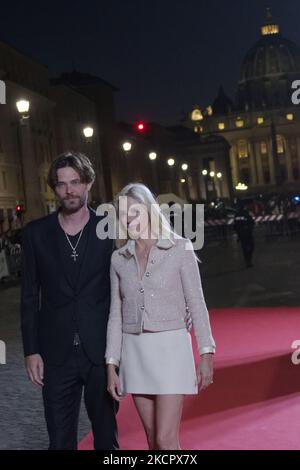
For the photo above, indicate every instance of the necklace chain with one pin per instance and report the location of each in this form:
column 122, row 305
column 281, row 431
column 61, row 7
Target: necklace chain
column 74, row 254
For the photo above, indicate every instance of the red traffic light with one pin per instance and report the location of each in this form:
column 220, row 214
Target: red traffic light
column 140, row 126
column 18, row 208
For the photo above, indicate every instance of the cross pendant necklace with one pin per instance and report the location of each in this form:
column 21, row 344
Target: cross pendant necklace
column 74, row 254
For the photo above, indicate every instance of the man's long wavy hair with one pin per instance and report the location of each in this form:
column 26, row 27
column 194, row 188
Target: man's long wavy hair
column 76, row 160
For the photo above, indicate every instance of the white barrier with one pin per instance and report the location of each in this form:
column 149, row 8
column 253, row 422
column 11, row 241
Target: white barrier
column 2, row 353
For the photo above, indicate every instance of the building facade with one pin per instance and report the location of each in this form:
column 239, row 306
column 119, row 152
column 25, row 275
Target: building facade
column 59, row 112
column 261, row 124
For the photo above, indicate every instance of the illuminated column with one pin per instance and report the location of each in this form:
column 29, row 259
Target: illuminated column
column 234, row 165
column 288, row 160
column 260, row 172
column 252, row 163
column 271, row 163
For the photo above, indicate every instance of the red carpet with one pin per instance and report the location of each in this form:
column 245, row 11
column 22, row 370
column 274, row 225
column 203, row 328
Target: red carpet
column 254, row 402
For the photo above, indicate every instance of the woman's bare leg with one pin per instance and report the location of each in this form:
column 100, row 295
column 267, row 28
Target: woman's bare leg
column 168, row 412
column 145, row 405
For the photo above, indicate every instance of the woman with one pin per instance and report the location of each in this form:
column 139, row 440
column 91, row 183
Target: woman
column 154, row 279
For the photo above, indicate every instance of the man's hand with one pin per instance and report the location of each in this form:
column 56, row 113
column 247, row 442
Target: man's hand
column 35, row 369
column 205, row 371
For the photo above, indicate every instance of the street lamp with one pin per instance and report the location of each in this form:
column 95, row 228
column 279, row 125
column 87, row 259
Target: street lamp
column 184, row 167
column 127, row 147
column 152, row 156
column 23, row 108
column 171, row 163
column 219, row 175
column 88, row 132
column 204, row 172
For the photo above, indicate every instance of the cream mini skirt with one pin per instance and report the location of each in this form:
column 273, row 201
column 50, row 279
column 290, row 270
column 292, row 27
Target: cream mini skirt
column 158, row 363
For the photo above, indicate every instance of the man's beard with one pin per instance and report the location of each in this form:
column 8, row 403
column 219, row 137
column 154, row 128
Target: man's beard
column 71, row 205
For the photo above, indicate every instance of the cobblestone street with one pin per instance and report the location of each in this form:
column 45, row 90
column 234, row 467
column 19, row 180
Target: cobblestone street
column 273, row 281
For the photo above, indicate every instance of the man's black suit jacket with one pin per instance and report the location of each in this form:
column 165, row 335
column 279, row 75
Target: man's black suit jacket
column 51, row 309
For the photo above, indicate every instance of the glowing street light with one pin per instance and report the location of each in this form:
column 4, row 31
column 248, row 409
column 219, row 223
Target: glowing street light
column 171, row 162
column 184, row 166
column 152, row 156
column 23, row 106
column 127, row 146
column 88, row 132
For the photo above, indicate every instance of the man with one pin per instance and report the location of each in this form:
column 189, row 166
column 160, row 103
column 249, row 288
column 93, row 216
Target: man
column 64, row 308
column 244, row 225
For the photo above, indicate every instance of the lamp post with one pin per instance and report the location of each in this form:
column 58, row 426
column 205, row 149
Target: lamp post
column 127, row 146
column 30, row 172
column 153, row 158
column 171, row 163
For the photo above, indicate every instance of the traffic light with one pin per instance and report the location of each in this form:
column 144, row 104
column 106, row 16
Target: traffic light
column 19, row 210
column 140, row 126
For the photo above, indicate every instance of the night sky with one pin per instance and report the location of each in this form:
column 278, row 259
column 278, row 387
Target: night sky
column 164, row 55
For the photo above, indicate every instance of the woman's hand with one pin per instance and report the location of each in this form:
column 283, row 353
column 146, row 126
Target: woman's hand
column 205, row 371
column 113, row 383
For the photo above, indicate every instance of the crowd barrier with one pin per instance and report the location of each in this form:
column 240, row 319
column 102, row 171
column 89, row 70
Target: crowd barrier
column 10, row 261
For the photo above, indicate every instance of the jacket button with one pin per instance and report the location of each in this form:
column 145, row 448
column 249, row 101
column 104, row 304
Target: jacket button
column 148, row 274
column 142, row 307
column 152, row 261
column 142, row 290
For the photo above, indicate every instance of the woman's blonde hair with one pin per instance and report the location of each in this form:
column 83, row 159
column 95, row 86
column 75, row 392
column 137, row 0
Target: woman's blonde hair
column 143, row 195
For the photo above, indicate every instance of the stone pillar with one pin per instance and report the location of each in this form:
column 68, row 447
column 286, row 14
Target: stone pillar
column 288, row 160
column 253, row 179
column 234, row 165
column 271, row 162
column 260, row 172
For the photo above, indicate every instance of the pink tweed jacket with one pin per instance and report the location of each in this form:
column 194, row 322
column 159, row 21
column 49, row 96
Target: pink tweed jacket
column 158, row 300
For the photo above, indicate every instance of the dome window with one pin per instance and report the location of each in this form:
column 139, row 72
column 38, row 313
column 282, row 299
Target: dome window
column 221, row 126
column 269, row 29
column 290, row 117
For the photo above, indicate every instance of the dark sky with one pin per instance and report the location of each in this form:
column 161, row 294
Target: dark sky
column 164, row 55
